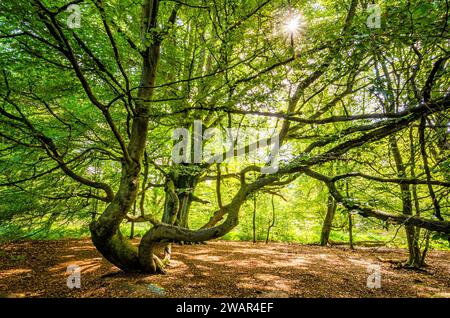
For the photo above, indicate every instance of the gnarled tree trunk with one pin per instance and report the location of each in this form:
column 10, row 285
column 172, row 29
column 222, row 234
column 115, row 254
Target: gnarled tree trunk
column 105, row 231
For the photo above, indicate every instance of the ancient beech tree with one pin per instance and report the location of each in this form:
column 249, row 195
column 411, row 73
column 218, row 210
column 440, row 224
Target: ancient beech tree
column 108, row 90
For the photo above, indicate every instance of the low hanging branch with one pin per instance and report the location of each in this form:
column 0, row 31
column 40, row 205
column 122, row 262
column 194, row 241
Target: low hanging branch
column 432, row 225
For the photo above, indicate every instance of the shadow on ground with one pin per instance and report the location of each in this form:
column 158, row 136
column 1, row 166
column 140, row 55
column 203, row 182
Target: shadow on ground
column 220, row 269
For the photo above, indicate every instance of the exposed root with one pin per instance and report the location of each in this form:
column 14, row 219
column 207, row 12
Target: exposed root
column 190, row 243
column 403, row 264
column 407, row 266
column 391, row 260
column 159, row 265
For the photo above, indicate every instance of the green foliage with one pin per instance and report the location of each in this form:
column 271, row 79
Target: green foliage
column 220, row 66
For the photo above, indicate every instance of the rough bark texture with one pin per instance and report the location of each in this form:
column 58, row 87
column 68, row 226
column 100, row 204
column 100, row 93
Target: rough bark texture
column 105, row 231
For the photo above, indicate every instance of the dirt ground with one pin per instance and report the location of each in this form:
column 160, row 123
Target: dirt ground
column 220, row 269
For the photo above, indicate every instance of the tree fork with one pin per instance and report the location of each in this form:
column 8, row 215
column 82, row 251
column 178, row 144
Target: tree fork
column 106, row 234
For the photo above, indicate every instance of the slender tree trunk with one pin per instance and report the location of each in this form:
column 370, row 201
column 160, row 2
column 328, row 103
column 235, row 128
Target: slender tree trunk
column 420, row 257
column 95, row 207
column 271, row 222
column 425, row 248
column 132, row 231
column 132, row 223
column 328, row 222
column 350, row 221
column 254, row 219
column 411, row 235
column 350, row 230
column 407, row 209
column 437, row 208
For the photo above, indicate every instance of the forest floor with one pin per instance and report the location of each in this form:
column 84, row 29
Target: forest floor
column 220, row 269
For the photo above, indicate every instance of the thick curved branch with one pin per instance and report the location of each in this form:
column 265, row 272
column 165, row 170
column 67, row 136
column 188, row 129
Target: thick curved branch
column 143, row 219
column 392, row 180
column 432, row 225
column 162, row 234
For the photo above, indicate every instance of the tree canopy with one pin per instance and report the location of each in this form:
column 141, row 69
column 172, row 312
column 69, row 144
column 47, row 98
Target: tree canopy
column 356, row 96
